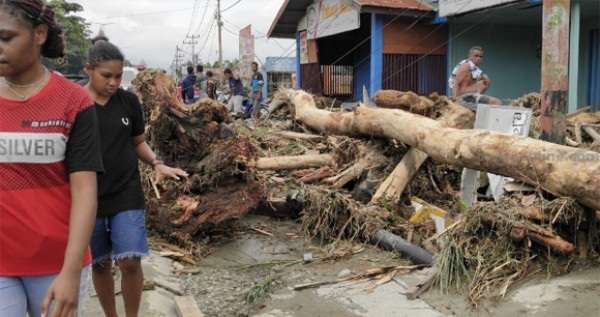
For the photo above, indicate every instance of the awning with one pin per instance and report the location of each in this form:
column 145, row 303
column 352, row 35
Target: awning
column 291, row 12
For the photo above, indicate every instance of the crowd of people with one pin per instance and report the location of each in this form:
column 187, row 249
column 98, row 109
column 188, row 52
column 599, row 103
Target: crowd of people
column 198, row 84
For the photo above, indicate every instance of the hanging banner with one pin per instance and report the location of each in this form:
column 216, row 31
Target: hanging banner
column 246, row 52
column 454, row 7
column 330, row 17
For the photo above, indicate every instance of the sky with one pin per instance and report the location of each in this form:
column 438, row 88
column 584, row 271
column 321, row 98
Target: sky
column 149, row 30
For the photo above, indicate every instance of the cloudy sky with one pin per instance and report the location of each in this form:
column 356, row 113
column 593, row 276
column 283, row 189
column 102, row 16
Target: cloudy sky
column 149, row 30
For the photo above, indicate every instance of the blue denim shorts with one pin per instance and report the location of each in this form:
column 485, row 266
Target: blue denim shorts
column 120, row 237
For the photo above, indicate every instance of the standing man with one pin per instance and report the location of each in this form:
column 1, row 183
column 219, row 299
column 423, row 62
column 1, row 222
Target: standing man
column 187, row 86
column 469, row 83
column 236, row 88
column 256, row 84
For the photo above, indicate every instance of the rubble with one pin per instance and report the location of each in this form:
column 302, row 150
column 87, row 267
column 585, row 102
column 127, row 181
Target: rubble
column 351, row 176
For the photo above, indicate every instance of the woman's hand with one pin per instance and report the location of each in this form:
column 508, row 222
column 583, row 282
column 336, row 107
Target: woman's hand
column 63, row 294
column 163, row 171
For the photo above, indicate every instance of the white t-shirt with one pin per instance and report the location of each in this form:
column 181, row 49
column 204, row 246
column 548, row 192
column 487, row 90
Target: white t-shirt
column 476, row 72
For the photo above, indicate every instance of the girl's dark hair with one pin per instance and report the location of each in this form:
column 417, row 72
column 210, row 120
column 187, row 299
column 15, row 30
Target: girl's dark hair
column 37, row 12
column 103, row 51
column 227, row 71
column 209, row 74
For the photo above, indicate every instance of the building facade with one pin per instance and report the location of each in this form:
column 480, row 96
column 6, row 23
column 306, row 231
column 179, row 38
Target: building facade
column 344, row 46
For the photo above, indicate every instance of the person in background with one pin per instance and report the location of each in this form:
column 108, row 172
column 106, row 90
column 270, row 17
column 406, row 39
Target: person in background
column 188, row 85
column 236, row 87
column 211, row 86
column 119, row 235
column 256, row 84
column 48, row 192
column 201, row 81
column 469, row 83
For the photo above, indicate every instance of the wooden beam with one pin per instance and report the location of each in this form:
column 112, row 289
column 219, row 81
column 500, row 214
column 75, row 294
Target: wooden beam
column 186, row 307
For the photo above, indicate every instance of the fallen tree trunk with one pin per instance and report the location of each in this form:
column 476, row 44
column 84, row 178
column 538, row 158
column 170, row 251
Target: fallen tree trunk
column 558, row 169
column 293, row 162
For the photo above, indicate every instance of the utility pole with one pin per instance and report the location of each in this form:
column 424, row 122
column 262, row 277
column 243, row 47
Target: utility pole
column 192, row 40
column 220, row 24
column 178, row 60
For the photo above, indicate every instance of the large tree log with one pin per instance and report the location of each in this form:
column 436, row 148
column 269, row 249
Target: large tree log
column 391, row 189
column 293, row 162
column 558, row 169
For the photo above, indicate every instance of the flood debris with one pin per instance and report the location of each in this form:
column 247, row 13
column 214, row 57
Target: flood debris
column 355, row 175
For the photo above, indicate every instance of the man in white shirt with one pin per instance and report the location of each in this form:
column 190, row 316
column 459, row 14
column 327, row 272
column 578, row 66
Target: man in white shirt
column 469, row 83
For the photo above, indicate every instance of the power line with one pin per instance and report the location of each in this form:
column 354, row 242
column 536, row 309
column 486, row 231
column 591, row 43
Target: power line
column 231, row 6
column 192, row 18
column 203, row 17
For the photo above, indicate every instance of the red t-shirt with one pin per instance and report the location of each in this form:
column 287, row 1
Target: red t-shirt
column 42, row 140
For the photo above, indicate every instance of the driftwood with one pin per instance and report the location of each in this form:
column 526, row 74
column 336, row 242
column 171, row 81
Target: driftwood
column 558, row 169
column 371, row 273
column 592, row 133
column 369, row 158
column 317, row 175
column 293, row 162
column 409, row 101
column 536, row 233
column 302, row 136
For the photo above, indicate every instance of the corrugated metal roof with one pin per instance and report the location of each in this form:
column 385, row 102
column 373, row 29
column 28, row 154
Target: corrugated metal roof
column 291, row 12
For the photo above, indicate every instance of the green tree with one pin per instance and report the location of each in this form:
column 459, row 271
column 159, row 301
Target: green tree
column 76, row 32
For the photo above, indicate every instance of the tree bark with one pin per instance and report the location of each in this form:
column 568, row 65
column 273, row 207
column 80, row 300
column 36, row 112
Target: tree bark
column 558, row 169
column 293, row 162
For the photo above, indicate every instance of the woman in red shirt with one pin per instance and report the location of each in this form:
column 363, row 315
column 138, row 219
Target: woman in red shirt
column 49, row 158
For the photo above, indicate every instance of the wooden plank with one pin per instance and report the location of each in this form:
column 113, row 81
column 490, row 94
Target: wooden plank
column 186, row 307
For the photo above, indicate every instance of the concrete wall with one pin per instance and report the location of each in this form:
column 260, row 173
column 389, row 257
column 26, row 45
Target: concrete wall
column 511, row 55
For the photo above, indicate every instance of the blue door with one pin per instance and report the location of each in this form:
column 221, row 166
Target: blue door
column 594, row 90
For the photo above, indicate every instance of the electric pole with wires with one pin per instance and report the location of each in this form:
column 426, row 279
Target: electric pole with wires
column 179, row 55
column 193, row 41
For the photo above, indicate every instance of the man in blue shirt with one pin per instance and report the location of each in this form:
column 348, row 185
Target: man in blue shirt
column 236, row 88
column 187, row 86
column 257, row 84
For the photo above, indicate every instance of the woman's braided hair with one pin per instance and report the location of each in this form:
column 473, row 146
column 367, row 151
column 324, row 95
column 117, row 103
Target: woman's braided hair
column 37, row 12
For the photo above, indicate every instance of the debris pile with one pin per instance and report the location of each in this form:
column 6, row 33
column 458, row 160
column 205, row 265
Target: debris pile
column 389, row 175
column 196, row 138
